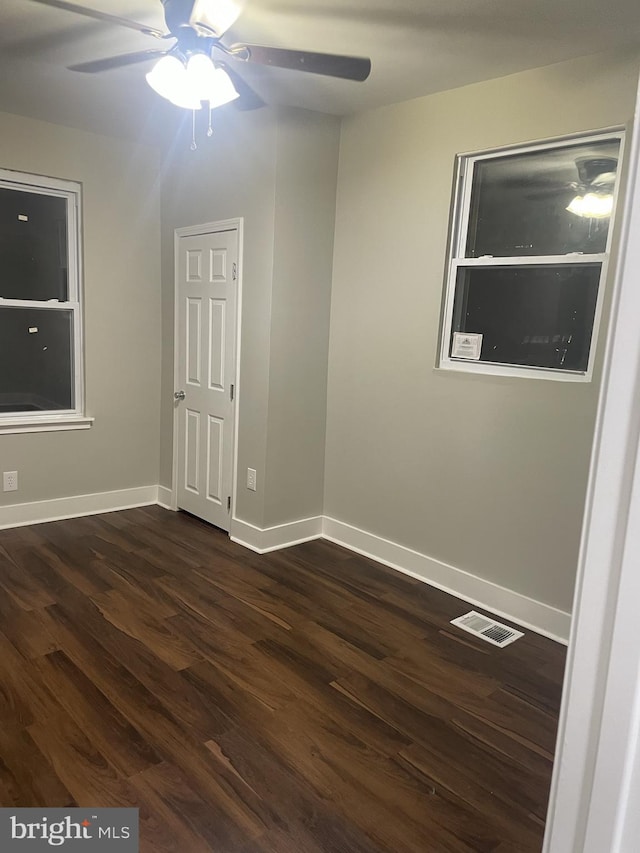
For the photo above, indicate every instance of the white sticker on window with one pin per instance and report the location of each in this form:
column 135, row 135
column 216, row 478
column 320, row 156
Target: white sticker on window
column 466, row 346
column 23, row 218
column 33, row 330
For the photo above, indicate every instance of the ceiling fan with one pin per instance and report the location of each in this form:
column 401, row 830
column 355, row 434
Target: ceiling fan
column 196, row 28
column 592, row 192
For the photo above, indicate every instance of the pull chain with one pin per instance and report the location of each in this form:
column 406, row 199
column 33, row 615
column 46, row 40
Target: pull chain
column 193, row 131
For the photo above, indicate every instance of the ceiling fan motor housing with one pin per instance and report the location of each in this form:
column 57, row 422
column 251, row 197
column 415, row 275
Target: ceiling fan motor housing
column 589, row 168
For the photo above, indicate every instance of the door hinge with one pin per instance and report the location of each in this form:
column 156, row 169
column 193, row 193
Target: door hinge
column 229, row 504
column 234, row 273
column 232, row 392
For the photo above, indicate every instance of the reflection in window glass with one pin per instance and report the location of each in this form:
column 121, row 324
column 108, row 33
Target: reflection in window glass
column 33, row 246
column 538, row 316
column 36, row 359
column 519, row 201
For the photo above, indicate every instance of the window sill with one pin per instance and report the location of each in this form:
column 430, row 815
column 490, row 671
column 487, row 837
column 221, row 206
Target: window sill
column 44, row 423
column 488, row 368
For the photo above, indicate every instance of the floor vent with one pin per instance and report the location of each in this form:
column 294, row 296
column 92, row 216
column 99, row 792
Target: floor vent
column 487, row 629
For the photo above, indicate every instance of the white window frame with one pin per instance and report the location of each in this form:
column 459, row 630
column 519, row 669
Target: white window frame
column 12, row 422
column 463, row 183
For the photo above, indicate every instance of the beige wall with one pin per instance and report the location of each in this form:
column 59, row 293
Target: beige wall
column 276, row 169
column 487, row 474
column 121, row 230
column 306, row 175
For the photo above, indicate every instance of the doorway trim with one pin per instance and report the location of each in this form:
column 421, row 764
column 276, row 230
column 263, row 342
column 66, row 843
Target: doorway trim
column 597, row 761
column 236, row 223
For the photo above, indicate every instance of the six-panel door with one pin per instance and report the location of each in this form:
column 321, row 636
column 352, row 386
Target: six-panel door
column 206, row 298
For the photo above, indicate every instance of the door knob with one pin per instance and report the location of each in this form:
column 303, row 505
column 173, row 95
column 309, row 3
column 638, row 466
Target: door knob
column 179, row 395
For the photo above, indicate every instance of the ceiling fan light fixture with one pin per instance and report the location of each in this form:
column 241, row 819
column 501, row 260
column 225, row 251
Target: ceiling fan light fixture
column 188, row 86
column 592, row 205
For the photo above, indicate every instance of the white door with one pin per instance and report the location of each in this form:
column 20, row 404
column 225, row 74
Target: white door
column 206, row 297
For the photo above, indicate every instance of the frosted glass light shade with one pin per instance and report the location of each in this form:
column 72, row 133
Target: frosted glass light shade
column 215, row 17
column 592, row 205
column 187, row 87
column 208, row 82
column 223, row 91
column 168, row 78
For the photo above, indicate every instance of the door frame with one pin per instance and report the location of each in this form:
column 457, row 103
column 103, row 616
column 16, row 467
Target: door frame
column 596, row 775
column 236, row 224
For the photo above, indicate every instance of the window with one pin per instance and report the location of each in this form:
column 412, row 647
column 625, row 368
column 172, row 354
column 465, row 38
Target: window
column 40, row 318
column 528, row 257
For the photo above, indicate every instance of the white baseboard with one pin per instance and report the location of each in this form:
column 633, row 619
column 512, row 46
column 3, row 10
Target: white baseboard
column 37, row 512
column 166, row 498
column 532, row 614
column 498, row 600
column 263, row 540
column 539, row 617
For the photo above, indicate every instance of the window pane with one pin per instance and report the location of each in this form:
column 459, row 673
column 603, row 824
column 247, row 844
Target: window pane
column 519, row 201
column 538, row 316
column 36, row 359
column 33, row 246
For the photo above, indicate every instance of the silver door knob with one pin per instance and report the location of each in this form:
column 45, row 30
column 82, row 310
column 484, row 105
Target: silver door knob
column 179, row 395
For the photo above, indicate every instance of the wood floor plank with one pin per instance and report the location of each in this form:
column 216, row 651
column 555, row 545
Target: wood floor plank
column 149, row 694
column 309, row 682
column 138, row 620
column 525, row 839
column 30, row 631
column 120, row 743
column 26, row 774
column 252, row 673
column 136, row 588
column 232, row 576
column 21, row 579
column 23, row 697
column 300, row 816
column 83, row 573
column 481, row 788
column 83, row 770
column 369, row 788
column 198, row 824
column 234, row 619
column 302, row 701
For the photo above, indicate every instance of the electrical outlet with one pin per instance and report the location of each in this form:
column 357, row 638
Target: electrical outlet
column 251, row 479
column 10, row 481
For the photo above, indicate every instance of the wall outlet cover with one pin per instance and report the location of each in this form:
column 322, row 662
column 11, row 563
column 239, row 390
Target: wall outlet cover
column 10, row 481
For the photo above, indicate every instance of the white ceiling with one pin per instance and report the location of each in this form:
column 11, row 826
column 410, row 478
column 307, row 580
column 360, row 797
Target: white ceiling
column 416, row 46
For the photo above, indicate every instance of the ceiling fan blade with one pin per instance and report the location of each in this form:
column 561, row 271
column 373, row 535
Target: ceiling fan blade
column 331, row 65
column 120, row 61
column 102, row 16
column 249, row 99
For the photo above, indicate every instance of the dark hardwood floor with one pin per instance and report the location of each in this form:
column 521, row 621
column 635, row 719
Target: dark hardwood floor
column 305, row 701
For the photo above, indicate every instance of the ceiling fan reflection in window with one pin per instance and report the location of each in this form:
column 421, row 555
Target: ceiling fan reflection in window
column 594, row 198
column 194, row 69
column 592, row 192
